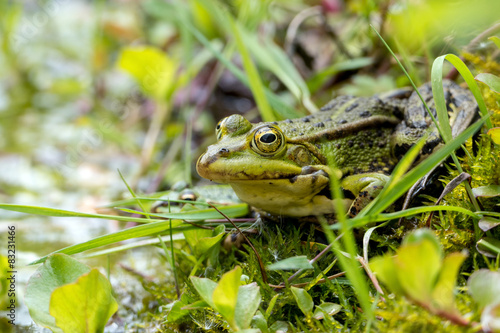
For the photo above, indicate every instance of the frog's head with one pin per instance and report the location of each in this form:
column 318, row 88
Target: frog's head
column 265, row 168
column 246, row 151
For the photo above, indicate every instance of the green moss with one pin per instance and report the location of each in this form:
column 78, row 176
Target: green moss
column 397, row 315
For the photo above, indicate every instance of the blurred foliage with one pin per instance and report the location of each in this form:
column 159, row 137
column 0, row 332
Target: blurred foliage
column 90, row 87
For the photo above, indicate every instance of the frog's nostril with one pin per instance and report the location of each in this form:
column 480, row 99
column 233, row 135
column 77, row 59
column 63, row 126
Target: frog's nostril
column 224, row 152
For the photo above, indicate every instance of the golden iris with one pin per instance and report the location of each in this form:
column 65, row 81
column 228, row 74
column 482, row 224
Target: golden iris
column 267, row 140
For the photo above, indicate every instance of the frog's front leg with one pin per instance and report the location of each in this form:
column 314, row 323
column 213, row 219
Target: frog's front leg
column 362, row 189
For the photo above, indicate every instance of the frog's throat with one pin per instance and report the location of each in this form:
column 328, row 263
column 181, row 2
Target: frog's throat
column 299, row 196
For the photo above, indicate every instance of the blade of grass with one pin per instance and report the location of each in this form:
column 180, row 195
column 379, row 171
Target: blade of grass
column 134, row 232
column 412, row 84
column 273, row 58
column 145, row 213
column 236, row 210
column 131, row 201
column 317, row 81
column 202, row 214
column 133, row 245
column 422, row 169
column 254, row 80
column 443, row 126
column 172, row 256
column 164, row 10
column 45, row 211
column 188, row 159
column 495, row 40
column 361, row 221
column 437, row 90
column 437, row 74
column 348, row 263
column 265, row 52
column 172, row 253
column 401, row 168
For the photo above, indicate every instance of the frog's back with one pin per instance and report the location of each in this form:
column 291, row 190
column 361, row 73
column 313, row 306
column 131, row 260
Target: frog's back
column 355, row 132
column 341, row 116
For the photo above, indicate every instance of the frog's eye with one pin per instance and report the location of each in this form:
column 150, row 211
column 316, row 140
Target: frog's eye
column 188, row 195
column 218, row 129
column 233, row 125
column 268, row 140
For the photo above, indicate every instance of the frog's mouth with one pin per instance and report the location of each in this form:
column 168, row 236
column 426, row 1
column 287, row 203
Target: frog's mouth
column 238, row 168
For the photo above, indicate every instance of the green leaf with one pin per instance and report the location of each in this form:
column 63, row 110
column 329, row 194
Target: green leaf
column 260, row 322
column 58, row 270
column 495, row 40
column 443, row 294
column 153, row 228
column 297, row 262
column 421, row 235
column 488, row 246
column 484, row 287
column 225, row 295
column 488, row 191
column 193, row 236
column 490, row 318
column 486, row 223
column 385, row 270
column 492, row 81
column 326, row 309
column 417, row 268
column 303, row 299
column 202, row 245
column 271, row 305
column 196, row 305
column 205, row 288
column 176, row 310
column 280, row 326
column 83, row 306
column 151, row 68
column 443, row 124
column 494, row 133
column 357, row 222
column 247, row 304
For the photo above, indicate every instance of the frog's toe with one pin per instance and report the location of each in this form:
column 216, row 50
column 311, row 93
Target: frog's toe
column 309, row 170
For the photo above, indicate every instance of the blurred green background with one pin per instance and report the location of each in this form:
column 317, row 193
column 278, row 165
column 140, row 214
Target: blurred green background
column 90, row 87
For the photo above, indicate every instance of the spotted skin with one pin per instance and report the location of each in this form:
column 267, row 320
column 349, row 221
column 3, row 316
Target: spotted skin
column 285, row 167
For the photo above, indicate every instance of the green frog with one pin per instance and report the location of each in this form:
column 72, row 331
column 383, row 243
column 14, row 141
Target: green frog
column 284, row 167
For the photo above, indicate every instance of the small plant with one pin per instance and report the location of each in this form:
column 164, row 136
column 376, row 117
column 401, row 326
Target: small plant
column 236, row 302
column 420, row 272
column 306, row 305
column 67, row 296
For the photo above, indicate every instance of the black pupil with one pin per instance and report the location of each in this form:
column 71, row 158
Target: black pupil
column 268, row 138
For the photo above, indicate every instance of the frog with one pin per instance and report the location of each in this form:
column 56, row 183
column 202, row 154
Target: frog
column 216, row 194
column 284, row 167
